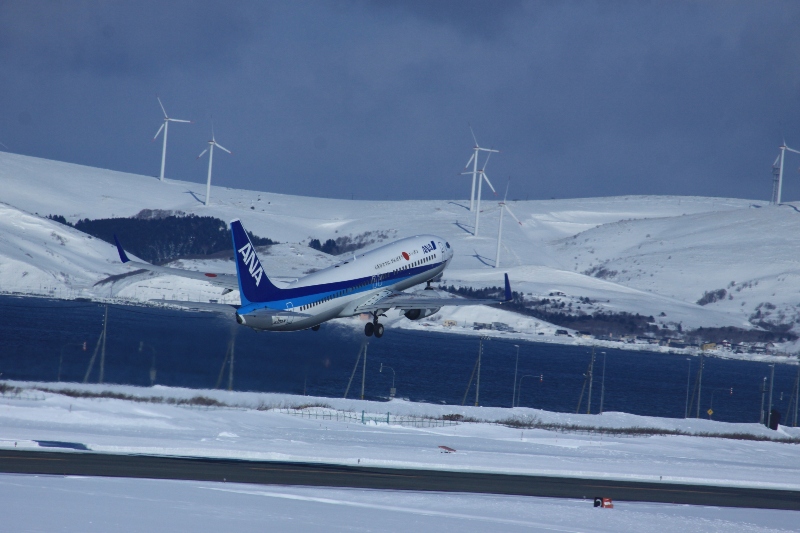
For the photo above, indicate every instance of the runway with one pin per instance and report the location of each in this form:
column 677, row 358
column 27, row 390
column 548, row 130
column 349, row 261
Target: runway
column 325, row 475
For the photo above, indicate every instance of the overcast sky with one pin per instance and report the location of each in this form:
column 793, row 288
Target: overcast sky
column 373, row 99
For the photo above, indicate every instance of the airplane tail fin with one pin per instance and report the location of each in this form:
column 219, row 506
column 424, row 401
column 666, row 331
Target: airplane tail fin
column 254, row 284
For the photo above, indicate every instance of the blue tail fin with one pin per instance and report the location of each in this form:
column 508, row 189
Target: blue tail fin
column 254, row 285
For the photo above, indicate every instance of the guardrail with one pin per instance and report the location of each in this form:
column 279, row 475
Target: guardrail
column 369, row 418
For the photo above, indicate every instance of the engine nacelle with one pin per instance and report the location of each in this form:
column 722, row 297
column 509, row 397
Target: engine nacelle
column 416, row 314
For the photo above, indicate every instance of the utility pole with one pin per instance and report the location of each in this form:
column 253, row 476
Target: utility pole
column 603, row 388
column 688, row 378
column 771, row 382
column 763, row 393
column 591, row 379
column 103, row 350
column 478, row 381
column 364, row 372
column 516, row 366
column 699, row 385
column 355, row 367
column 796, row 396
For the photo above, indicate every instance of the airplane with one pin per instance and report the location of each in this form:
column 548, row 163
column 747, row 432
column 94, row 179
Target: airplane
column 369, row 283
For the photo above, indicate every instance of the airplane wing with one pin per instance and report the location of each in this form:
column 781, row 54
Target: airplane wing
column 408, row 302
column 222, row 309
column 227, row 281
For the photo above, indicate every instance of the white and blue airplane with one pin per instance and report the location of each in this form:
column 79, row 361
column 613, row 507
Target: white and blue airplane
column 369, row 283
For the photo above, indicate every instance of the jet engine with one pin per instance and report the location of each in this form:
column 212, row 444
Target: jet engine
column 416, row 314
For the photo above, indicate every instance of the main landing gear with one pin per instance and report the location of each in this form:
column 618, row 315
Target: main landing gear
column 374, row 328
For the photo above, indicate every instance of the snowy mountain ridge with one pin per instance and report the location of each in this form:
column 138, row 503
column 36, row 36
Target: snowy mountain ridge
column 656, row 256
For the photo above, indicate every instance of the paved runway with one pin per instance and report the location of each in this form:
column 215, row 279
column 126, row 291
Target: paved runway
column 324, row 475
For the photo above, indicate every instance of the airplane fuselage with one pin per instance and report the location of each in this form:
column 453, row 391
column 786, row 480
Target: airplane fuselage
column 340, row 290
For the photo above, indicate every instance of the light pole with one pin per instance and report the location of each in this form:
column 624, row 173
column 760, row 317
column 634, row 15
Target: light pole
column 392, row 390
column 603, row 386
column 688, row 378
column 516, row 366
column 61, row 356
column 142, row 346
column 519, row 389
column 771, row 382
column 591, row 380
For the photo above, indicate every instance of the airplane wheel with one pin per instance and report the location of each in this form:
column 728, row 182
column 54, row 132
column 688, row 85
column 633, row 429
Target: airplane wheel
column 368, row 329
column 378, row 331
column 315, row 328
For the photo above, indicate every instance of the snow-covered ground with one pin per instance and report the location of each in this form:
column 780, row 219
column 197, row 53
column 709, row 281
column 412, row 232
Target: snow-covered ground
column 246, row 432
column 89, row 505
column 656, row 256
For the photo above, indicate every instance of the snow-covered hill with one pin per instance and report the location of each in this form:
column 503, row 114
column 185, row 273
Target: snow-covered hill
column 650, row 255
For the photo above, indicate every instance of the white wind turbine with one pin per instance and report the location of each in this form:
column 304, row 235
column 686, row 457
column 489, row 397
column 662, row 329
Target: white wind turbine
column 474, row 160
column 777, row 171
column 503, row 207
column 211, row 144
column 165, row 127
column 481, row 177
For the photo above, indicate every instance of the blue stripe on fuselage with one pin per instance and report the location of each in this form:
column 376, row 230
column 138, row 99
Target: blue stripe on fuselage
column 311, row 294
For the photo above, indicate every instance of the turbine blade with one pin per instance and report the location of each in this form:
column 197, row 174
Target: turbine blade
column 512, row 214
column 179, row 120
column 222, row 147
column 212, row 129
column 489, row 182
column 792, row 150
column 486, row 163
column 470, row 160
column 158, row 132
column 506, row 195
column 4, row 146
column 473, row 134
column 162, row 107
column 202, row 153
column 775, row 164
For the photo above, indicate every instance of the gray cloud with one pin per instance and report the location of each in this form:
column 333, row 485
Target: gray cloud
column 373, row 99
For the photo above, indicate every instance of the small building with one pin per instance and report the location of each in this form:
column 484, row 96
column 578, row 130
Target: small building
column 708, row 346
column 562, row 332
column 449, row 323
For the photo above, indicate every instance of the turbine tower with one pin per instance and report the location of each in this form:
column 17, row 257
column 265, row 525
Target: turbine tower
column 211, row 144
column 481, row 177
column 474, row 161
column 503, row 207
column 777, row 172
column 165, row 127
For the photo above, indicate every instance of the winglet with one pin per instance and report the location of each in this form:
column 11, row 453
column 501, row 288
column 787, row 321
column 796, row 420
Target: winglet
column 122, row 256
column 509, row 296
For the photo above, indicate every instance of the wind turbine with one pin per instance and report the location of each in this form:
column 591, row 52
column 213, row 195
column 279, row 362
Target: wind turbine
column 165, row 127
column 503, row 207
column 474, row 160
column 211, row 144
column 777, row 172
column 482, row 176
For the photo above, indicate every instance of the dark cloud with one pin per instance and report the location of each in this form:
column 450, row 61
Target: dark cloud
column 373, row 98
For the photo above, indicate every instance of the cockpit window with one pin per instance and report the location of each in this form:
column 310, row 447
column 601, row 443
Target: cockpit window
column 447, row 244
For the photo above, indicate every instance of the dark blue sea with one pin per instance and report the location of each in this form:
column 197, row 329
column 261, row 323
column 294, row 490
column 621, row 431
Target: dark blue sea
column 188, row 350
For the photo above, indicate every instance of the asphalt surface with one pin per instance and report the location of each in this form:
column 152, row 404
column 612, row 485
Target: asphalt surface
column 325, row 475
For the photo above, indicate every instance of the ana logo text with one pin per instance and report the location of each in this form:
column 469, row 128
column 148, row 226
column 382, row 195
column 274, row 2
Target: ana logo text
column 427, row 248
column 251, row 262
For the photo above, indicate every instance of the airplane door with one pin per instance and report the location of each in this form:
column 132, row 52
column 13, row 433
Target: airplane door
column 290, row 308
